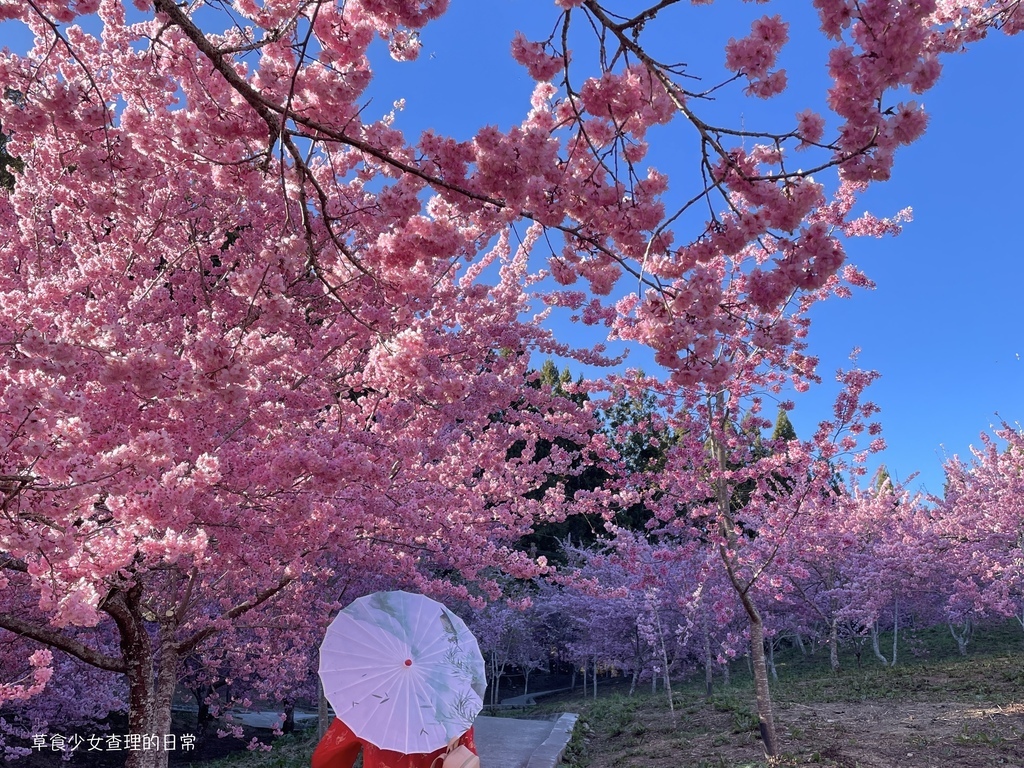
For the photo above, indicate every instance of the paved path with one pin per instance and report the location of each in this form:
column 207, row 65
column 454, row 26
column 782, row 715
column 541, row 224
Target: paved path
column 529, row 699
column 268, row 720
column 504, row 742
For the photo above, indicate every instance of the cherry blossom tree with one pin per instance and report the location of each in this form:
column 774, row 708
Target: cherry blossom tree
column 978, row 523
column 754, row 504
column 197, row 430
column 840, row 572
column 625, row 602
column 53, row 688
column 236, row 492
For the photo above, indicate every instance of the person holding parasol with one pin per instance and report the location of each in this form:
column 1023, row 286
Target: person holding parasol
column 406, row 679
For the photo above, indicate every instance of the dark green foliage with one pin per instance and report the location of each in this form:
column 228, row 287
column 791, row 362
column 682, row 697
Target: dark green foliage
column 779, row 484
column 9, row 165
column 646, row 439
column 586, row 475
column 639, row 434
column 882, row 480
column 783, row 427
column 550, row 378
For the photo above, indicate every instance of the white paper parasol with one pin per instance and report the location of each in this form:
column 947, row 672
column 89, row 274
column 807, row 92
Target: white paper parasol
column 402, row 672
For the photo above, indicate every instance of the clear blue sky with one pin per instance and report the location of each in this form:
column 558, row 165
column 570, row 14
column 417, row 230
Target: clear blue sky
column 943, row 326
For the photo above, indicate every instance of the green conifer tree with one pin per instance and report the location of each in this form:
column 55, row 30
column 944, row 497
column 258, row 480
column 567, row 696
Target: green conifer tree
column 783, row 427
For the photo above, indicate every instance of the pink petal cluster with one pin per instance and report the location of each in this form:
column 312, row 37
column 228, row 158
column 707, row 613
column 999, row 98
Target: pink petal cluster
column 541, row 65
column 755, row 54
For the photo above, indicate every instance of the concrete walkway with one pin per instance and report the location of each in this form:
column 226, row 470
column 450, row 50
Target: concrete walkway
column 504, row 742
column 268, row 720
column 529, row 699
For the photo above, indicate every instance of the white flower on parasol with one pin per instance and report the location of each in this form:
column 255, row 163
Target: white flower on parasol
column 402, row 672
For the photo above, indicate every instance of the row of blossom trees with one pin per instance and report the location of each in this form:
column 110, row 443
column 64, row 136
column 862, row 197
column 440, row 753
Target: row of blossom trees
column 801, row 551
column 858, row 561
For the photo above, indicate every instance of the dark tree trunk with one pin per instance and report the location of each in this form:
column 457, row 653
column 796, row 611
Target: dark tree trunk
column 289, row 718
column 152, row 674
column 323, row 718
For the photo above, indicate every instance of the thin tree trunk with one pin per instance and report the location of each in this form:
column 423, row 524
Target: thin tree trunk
column 727, row 527
column 895, row 628
column 800, row 643
column 771, row 659
column 833, row 645
column 761, row 689
column 874, row 644
column 496, row 677
column 638, row 659
column 708, row 666
column 963, row 637
column 664, row 660
column 757, row 662
column 202, row 695
column 322, row 716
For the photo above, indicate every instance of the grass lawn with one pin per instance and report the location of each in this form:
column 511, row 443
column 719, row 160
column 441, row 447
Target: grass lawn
column 935, row 708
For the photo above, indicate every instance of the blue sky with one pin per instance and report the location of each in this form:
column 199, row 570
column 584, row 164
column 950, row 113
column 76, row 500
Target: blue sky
column 943, row 325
